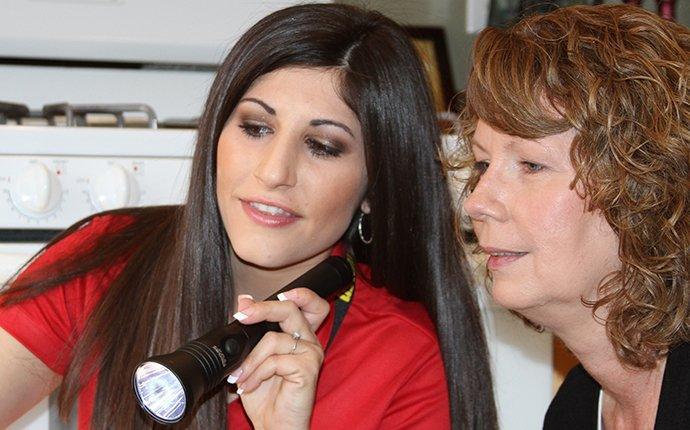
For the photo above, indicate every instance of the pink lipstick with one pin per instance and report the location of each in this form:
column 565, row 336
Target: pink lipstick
column 268, row 214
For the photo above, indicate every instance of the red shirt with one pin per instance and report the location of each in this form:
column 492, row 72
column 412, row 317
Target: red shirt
column 382, row 371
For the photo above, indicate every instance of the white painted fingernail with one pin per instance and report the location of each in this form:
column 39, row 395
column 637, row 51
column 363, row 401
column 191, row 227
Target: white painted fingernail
column 233, row 378
column 240, row 391
column 245, row 296
column 239, row 316
column 282, row 297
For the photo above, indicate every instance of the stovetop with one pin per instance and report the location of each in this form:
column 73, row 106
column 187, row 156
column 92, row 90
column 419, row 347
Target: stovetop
column 117, row 115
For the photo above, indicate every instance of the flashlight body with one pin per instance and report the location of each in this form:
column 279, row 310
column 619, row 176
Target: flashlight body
column 218, row 352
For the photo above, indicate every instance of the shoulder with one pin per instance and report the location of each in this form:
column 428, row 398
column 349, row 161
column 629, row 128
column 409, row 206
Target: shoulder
column 385, row 353
column 75, row 243
column 86, row 231
column 81, row 237
column 48, row 317
column 71, row 268
column 673, row 410
column 679, row 357
column 382, row 311
column 575, row 404
column 387, row 336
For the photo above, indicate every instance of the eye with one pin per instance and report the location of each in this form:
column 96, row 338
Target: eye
column 322, row 150
column 531, row 167
column 480, row 167
column 254, row 130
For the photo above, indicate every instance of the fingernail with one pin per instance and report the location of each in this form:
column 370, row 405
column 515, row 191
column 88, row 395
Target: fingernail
column 239, row 316
column 245, row 296
column 240, row 391
column 282, row 297
column 233, row 378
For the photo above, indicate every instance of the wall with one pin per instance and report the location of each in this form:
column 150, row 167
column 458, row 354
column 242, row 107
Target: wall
column 449, row 14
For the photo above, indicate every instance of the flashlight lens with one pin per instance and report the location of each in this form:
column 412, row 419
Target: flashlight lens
column 160, row 392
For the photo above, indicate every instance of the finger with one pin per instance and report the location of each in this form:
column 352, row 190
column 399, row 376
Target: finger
column 301, row 369
column 286, row 314
column 234, row 376
column 272, row 344
column 314, row 308
column 244, row 301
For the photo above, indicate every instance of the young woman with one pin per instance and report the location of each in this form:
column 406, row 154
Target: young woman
column 578, row 126
column 318, row 137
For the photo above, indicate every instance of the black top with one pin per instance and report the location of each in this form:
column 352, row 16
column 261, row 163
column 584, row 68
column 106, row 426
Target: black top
column 576, row 403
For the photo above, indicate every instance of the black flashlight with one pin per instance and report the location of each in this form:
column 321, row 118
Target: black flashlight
column 168, row 386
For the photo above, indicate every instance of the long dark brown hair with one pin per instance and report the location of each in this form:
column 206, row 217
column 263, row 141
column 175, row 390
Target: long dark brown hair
column 177, row 283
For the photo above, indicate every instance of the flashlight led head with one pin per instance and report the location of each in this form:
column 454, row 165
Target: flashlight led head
column 160, row 392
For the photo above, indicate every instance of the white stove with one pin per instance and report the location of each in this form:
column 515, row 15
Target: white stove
column 54, row 175
column 50, row 178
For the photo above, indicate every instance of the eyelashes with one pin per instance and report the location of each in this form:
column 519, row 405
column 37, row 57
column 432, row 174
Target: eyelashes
column 322, row 150
column 255, row 130
column 480, row 167
column 531, row 167
column 528, row 167
column 317, row 147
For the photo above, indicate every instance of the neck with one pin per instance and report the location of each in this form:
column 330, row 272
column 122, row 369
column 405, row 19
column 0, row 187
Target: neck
column 261, row 282
column 628, row 392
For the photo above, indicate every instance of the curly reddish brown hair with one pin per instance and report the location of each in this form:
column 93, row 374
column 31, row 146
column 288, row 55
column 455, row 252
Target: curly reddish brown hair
column 619, row 76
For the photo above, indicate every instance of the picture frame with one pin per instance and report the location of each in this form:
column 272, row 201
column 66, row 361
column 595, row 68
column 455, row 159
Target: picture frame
column 430, row 43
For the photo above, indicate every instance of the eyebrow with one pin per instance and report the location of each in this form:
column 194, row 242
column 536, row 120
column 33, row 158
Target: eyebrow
column 318, row 122
column 474, row 142
column 313, row 123
column 266, row 107
column 511, row 142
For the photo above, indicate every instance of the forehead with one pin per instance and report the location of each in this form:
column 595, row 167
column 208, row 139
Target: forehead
column 326, row 81
column 487, row 138
column 301, row 89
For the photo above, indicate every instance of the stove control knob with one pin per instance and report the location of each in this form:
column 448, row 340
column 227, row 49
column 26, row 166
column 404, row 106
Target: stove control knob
column 114, row 189
column 37, row 191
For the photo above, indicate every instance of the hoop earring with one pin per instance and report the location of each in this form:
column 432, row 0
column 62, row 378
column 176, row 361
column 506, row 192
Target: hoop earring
column 360, row 230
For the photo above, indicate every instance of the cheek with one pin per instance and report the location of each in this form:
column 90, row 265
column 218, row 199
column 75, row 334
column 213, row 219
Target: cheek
column 232, row 166
column 557, row 220
column 232, row 169
column 576, row 249
column 336, row 196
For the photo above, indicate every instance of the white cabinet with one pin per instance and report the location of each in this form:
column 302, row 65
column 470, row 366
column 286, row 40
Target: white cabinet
column 151, row 31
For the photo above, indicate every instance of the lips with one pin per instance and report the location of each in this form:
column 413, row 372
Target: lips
column 268, row 214
column 499, row 258
column 270, row 210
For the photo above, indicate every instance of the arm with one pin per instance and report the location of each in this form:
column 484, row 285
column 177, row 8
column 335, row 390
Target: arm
column 25, row 379
column 422, row 401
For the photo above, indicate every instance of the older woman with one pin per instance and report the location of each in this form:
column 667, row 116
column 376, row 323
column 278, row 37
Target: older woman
column 578, row 127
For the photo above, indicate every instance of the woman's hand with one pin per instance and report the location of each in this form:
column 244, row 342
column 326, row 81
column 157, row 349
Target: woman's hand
column 277, row 380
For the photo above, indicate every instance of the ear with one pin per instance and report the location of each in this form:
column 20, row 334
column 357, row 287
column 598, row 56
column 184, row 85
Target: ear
column 364, row 207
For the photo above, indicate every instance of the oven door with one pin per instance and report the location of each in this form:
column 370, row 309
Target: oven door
column 12, row 258
column 14, row 255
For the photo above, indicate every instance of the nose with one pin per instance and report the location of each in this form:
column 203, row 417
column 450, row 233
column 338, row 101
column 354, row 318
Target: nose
column 278, row 163
column 488, row 198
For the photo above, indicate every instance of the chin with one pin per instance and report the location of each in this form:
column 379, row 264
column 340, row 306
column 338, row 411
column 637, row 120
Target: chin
column 511, row 296
column 259, row 255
